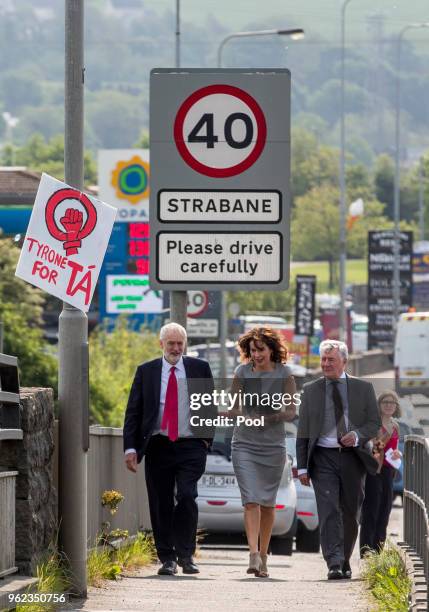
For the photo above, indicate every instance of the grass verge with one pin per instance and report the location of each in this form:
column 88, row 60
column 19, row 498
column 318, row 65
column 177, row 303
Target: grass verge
column 107, row 563
column 386, row 577
column 52, row 577
column 103, row 563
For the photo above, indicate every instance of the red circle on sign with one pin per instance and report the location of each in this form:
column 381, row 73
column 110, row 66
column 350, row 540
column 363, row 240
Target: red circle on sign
column 209, row 170
column 203, row 307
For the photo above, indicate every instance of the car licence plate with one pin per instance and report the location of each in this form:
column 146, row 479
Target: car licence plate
column 213, row 480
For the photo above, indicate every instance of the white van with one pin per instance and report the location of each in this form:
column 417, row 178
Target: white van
column 412, row 353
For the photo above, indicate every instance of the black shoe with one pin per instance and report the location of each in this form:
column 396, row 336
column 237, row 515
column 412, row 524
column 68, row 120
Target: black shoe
column 169, row 568
column 188, row 566
column 335, row 573
column 347, row 570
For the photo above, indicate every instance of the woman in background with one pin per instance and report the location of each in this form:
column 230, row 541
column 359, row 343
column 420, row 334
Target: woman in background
column 379, row 487
column 259, row 452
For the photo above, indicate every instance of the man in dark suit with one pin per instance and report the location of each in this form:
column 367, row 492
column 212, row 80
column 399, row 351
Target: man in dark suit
column 158, row 426
column 337, row 419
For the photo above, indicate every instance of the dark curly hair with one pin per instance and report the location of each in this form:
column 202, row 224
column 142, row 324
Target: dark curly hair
column 267, row 336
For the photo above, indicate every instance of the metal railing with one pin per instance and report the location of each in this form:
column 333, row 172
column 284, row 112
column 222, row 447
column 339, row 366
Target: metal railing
column 416, row 501
column 10, row 416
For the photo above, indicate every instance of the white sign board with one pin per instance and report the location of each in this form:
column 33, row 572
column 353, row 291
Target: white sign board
column 131, row 294
column 220, row 166
column 202, row 328
column 220, row 207
column 65, row 242
column 191, row 257
column 123, row 181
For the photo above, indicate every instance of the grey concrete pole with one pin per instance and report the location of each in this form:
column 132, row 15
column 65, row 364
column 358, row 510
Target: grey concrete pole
column 178, row 299
column 343, row 210
column 421, row 200
column 73, row 331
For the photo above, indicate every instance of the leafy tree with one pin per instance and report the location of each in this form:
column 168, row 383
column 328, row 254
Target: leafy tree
column 311, row 164
column 316, row 226
column 114, row 357
column 20, row 312
column 46, row 156
column 262, row 301
column 27, row 301
column 383, row 181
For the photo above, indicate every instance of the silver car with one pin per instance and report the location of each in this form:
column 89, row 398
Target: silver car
column 219, row 500
column 307, row 534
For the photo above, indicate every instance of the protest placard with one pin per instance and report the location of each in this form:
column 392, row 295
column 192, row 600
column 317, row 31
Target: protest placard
column 65, row 242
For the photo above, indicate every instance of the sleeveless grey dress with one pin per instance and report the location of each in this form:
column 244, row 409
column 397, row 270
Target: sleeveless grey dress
column 259, row 452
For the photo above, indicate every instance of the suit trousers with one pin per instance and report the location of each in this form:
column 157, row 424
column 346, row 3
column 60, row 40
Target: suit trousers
column 338, row 478
column 376, row 509
column 172, row 472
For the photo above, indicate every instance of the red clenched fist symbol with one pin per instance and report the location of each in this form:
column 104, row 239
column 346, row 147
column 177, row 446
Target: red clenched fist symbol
column 72, row 220
column 72, row 223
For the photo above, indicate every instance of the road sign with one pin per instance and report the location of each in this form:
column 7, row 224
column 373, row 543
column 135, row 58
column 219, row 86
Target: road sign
column 123, row 181
column 198, row 302
column 131, row 295
column 220, row 156
column 220, row 130
column 305, row 302
column 380, row 290
column 202, row 328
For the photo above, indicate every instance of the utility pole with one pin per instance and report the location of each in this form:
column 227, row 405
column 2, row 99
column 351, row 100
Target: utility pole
column 73, row 332
column 178, row 299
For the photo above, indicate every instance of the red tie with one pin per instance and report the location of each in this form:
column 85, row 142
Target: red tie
column 170, row 418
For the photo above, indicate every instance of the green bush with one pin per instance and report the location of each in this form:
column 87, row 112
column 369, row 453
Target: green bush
column 52, row 577
column 386, row 576
column 108, row 563
column 114, row 357
column 21, row 307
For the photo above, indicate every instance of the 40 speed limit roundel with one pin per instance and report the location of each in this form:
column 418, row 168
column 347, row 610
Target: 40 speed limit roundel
column 220, row 130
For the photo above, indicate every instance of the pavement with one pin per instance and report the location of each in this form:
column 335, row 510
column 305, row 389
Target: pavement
column 297, row 583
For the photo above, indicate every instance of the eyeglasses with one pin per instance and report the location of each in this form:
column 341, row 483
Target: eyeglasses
column 388, row 403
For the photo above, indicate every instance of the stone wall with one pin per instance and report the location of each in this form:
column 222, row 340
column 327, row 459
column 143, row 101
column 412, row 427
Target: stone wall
column 36, row 497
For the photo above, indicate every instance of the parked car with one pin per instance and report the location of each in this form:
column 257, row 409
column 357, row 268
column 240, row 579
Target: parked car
column 219, row 500
column 308, row 533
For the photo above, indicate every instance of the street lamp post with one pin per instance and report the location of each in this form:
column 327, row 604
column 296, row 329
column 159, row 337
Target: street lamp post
column 343, row 211
column 295, row 34
column 397, row 185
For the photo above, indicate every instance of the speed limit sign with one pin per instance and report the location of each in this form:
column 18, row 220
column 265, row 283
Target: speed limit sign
column 198, row 302
column 220, row 130
column 220, row 173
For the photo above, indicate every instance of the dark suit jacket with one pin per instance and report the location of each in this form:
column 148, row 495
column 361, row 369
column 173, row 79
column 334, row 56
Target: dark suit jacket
column 143, row 403
column 363, row 418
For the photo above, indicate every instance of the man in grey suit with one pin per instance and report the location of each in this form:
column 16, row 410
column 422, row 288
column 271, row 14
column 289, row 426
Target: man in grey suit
column 337, row 419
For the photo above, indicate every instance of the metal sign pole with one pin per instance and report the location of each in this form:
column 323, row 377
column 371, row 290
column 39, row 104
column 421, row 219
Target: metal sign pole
column 73, row 331
column 178, row 299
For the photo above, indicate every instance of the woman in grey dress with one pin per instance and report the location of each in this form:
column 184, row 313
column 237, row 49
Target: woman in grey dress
column 259, row 451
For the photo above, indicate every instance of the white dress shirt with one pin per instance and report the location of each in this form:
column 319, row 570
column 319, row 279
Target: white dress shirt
column 183, row 398
column 331, row 441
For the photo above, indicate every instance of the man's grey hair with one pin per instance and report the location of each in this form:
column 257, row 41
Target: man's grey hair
column 172, row 327
column 330, row 345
